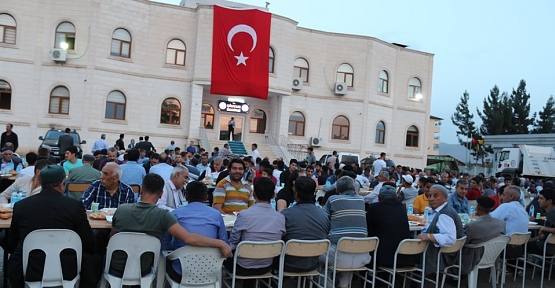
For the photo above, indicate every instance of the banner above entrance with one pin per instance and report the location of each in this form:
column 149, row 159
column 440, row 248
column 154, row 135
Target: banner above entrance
column 235, row 107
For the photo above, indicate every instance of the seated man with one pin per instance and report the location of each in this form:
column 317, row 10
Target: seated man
column 475, row 190
column 407, row 192
column 31, row 159
column 145, row 217
column 483, row 229
column 30, row 185
column 347, row 219
column 387, row 220
column 546, row 201
column 162, row 168
column 108, row 192
column 458, row 199
column 421, row 201
column 132, row 172
column 511, row 211
column 50, row 209
column 172, row 198
column 195, row 218
column 72, row 160
column 232, row 194
column 85, row 172
column 443, row 228
column 304, row 221
column 258, row 223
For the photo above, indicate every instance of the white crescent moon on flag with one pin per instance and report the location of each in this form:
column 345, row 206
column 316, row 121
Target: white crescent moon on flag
column 241, row 28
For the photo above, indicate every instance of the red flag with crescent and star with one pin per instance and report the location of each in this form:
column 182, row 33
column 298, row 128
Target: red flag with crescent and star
column 240, row 52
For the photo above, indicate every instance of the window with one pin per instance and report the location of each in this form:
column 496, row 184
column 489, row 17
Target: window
column 207, row 116
column 436, row 147
column 272, row 61
column 300, row 69
column 171, row 111
column 59, row 101
column 415, row 88
column 115, row 106
column 175, row 53
column 5, row 95
column 383, row 83
column 121, row 43
column 65, row 33
column 345, row 73
column 380, row 133
column 7, row 29
column 258, row 121
column 340, row 128
column 296, row 124
column 412, row 136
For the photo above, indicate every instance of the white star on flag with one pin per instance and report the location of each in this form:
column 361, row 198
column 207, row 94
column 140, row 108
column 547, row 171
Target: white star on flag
column 241, row 59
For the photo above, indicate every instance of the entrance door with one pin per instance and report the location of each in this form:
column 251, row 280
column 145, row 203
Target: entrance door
column 238, row 131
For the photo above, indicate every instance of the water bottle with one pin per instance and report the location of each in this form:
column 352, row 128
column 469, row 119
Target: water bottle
column 18, row 169
column 410, row 210
column 184, row 203
column 532, row 211
column 21, row 195
column 426, row 212
column 472, row 211
column 273, row 203
column 14, row 195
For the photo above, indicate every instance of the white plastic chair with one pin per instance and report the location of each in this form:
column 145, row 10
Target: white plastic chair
column 407, row 247
column 304, row 248
column 357, row 246
column 517, row 239
column 492, row 250
column 457, row 248
column 549, row 240
column 201, row 267
column 52, row 242
column 134, row 245
column 253, row 250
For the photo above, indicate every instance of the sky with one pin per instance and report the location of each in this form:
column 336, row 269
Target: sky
column 477, row 44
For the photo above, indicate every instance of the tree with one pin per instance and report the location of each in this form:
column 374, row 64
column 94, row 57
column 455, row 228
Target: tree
column 521, row 119
column 497, row 113
column 546, row 123
column 463, row 120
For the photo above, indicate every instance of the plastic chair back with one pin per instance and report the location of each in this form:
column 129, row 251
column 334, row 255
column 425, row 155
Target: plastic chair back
column 455, row 248
column 519, row 238
column 134, row 245
column 306, row 248
column 201, row 266
column 259, row 250
column 77, row 189
column 492, row 249
column 52, row 242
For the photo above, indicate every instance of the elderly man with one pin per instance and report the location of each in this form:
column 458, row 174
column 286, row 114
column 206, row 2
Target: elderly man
column 9, row 162
column 9, row 137
column 162, row 168
column 347, row 218
column 232, row 194
column 172, row 198
column 29, row 185
column 483, row 229
column 101, row 144
column 50, row 209
column 511, row 211
column 458, row 200
column 85, row 172
column 442, row 229
column 109, row 191
column 132, row 172
column 383, row 177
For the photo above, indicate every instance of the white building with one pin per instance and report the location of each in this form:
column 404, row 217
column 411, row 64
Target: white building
column 143, row 68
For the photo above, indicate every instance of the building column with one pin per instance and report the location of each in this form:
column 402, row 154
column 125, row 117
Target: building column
column 194, row 112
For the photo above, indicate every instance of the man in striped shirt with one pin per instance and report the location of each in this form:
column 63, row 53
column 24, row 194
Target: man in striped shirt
column 348, row 219
column 232, row 194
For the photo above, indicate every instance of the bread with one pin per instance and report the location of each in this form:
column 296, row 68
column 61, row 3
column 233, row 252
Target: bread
column 97, row 216
column 414, row 218
column 5, row 216
column 5, row 209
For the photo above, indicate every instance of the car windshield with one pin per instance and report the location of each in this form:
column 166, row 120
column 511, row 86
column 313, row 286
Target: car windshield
column 55, row 135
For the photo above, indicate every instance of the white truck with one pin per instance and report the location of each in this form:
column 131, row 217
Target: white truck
column 526, row 160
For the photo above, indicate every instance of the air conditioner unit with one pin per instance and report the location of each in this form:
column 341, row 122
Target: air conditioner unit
column 340, row 88
column 316, row 141
column 297, row 84
column 59, row 55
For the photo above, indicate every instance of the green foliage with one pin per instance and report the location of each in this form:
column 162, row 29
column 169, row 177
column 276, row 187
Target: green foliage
column 546, row 121
column 466, row 128
column 521, row 120
column 497, row 113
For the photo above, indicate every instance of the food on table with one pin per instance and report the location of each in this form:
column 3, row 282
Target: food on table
column 98, row 216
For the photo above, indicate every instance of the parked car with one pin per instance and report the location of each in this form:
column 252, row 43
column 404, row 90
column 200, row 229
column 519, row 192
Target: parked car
column 345, row 158
column 369, row 160
column 51, row 139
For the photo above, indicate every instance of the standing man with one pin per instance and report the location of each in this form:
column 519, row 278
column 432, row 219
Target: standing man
column 172, row 197
column 310, row 158
column 458, row 199
column 332, row 159
column 255, row 154
column 65, row 141
column 232, row 194
column 191, row 148
column 231, row 129
column 379, row 164
column 101, row 144
column 72, row 160
column 147, row 145
column 9, row 136
column 171, row 147
column 119, row 142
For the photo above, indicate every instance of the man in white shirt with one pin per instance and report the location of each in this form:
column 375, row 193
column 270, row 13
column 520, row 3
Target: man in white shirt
column 163, row 168
column 31, row 159
column 511, row 211
column 255, row 154
column 379, row 164
column 383, row 177
column 172, row 197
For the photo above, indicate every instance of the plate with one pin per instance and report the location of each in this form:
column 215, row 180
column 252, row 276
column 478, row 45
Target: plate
column 414, row 223
column 109, row 211
column 532, row 223
column 109, row 218
column 229, row 223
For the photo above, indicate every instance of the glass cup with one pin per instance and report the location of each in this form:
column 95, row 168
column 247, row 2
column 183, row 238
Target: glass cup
column 94, row 207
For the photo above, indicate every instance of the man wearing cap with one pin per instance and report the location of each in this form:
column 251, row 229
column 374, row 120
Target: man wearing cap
column 387, row 220
column 443, row 228
column 86, row 172
column 50, row 209
column 483, row 229
column 406, row 192
column 29, row 185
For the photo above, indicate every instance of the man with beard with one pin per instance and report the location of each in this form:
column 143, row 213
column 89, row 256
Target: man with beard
column 112, row 157
column 232, row 194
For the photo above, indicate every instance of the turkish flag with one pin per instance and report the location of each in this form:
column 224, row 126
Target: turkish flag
column 240, row 52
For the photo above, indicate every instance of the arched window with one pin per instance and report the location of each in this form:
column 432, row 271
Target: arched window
column 207, row 116
column 115, row 106
column 272, row 61
column 296, row 124
column 258, row 121
column 300, row 69
column 5, row 95
column 65, row 33
column 340, row 128
column 7, row 28
column 171, row 111
column 415, row 88
column 412, row 136
column 380, row 133
column 383, row 83
column 345, row 73
column 59, row 101
column 121, row 43
column 175, row 53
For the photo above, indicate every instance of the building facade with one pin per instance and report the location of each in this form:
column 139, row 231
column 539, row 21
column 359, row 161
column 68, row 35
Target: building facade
column 143, row 68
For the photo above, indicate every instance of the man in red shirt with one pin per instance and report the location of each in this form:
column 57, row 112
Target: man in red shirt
column 475, row 190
